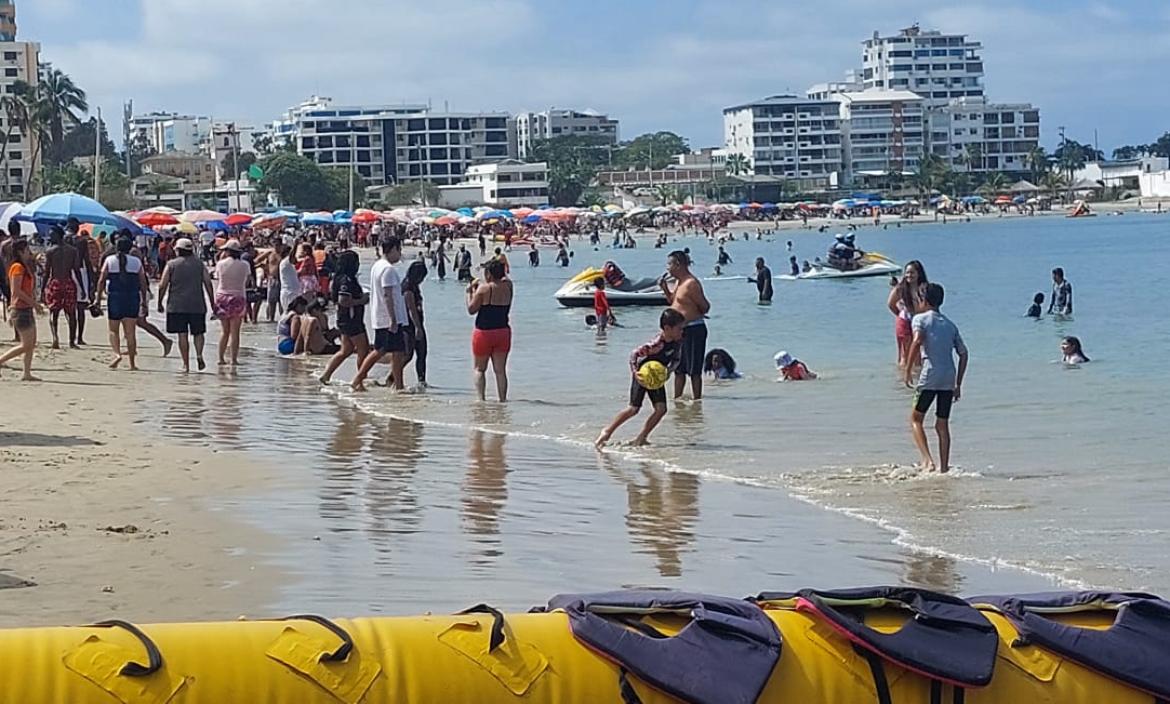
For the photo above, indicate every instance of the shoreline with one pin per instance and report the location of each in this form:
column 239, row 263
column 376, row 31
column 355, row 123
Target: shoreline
column 105, row 517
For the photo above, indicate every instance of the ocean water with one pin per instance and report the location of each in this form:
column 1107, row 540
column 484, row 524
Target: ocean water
column 1060, row 473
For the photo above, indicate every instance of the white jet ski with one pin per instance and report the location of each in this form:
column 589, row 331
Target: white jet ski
column 619, row 290
column 872, row 264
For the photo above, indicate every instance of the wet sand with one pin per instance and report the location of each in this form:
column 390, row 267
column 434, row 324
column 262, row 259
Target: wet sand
column 102, row 516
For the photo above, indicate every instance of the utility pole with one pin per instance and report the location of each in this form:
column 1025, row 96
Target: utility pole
column 233, row 135
column 127, row 118
column 97, row 158
column 352, row 168
column 1064, row 157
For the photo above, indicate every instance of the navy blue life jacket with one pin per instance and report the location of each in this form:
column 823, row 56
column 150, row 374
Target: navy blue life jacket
column 725, row 655
column 1135, row 650
column 946, row 640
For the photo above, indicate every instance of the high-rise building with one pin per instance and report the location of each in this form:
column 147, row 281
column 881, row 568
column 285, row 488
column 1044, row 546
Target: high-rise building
column 939, row 67
column 532, row 127
column 7, row 21
column 784, row 136
column 883, row 132
column 396, row 143
column 977, row 136
column 22, row 153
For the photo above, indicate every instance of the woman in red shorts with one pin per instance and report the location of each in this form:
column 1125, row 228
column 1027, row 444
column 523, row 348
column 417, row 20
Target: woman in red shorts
column 490, row 302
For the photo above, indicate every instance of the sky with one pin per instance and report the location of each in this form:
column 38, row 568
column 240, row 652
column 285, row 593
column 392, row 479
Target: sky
column 1090, row 65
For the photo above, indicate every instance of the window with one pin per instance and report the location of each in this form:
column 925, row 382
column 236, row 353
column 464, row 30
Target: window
column 307, row 143
column 496, row 123
column 363, row 140
column 363, row 155
column 938, row 67
column 417, row 125
column 16, row 156
column 14, row 139
column 10, row 72
column 10, row 56
column 496, row 150
column 16, row 173
column 439, row 169
column 364, row 171
column 438, row 154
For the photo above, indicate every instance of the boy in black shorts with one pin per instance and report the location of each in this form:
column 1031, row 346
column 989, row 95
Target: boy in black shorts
column 936, row 341
column 664, row 348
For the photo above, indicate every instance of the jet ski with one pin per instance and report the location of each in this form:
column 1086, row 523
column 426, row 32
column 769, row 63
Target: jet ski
column 872, row 264
column 619, row 289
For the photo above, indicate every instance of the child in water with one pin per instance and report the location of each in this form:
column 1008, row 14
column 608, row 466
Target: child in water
column 664, row 349
column 1036, row 308
column 720, row 364
column 791, row 368
column 1070, row 350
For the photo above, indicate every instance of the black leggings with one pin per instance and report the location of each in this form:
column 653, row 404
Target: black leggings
column 420, row 357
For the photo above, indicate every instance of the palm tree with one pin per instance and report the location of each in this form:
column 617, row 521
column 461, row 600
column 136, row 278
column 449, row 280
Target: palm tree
column 995, row 183
column 1037, row 161
column 973, row 156
column 62, row 100
column 15, row 109
column 1054, row 182
column 28, row 114
column 738, row 164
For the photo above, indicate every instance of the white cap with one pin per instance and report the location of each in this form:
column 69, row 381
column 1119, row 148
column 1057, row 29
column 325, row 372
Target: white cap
column 233, row 245
column 185, row 244
column 783, row 359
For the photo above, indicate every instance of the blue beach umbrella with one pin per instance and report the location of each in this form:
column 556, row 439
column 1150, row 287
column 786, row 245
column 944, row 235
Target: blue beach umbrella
column 59, row 207
column 317, row 219
column 466, row 212
column 534, row 218
column 125, row 223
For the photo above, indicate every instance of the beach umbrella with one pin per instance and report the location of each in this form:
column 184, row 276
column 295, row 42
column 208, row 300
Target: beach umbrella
column 198, row 216
column 7, row 211
column 269, row 222
column 160, row 209
column 522, row 212
column 215, row 226
column 238, row 219
column 532, row 218
column 153, row 219
column 464, row 219
column 321, row 218
column 494, row 215
column 447, row 220
column 59, row 207
column 1020, row 200
column 365, row 217
column 465, row 211
column 399, row 215
column 184, row 228
column 437, row 212
column 611, row 208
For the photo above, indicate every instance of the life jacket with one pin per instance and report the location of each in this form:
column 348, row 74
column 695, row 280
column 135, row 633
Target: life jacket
column 1134, row 650
column 947, row 641
column 723, row 655
column 614, row 276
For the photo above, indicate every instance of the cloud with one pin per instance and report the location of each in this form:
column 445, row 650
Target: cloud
column 652, row 65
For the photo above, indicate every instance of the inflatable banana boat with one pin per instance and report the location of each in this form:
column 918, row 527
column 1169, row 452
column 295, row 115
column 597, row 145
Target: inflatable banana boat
column 872, row 264
column 886, row 645
column 619, row 289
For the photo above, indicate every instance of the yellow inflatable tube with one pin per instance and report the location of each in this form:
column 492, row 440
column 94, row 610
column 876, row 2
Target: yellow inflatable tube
column 450, row 659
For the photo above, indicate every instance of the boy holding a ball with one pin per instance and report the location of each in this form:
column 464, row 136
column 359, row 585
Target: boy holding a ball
column 650, row 366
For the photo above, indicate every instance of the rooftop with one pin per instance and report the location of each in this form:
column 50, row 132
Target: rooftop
column 777, row 100
column 878, row 95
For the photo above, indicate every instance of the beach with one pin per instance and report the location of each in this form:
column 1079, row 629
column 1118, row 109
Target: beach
column 154, row 495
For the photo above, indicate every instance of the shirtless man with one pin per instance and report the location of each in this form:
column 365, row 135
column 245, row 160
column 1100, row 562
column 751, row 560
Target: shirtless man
column 688, row 298
column 59, row 289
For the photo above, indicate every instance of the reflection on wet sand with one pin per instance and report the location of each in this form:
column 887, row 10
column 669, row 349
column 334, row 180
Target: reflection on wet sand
column 391, row 492
column 485, row 490
column 663, row 510
column 936, row 501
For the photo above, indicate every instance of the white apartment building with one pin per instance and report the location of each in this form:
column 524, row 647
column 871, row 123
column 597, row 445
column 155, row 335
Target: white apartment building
column 396, row 143
column 976, row 136
column 883, row 131
column 171, row 132
column 22, row 156
column 505, row 184
column 787, row 137
column 939, row 67
column 532, row 127
column 1122, row 173
column 713, row 157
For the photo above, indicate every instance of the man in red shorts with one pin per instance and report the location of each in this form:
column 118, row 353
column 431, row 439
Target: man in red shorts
column 62, row 262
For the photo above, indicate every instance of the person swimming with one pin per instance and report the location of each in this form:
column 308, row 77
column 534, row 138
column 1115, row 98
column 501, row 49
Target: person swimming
column 720, row 364
column 794, row 266
column 1072, row 352
column 791, row 368
column 1037, row 307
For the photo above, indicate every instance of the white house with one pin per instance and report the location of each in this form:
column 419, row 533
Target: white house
column 506, row 184
column 1123, row 173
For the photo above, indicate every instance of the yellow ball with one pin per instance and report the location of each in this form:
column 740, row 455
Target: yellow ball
column 653, row 375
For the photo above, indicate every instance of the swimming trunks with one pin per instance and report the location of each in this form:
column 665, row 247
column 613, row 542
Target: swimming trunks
column 61, row 294
column 386, row 341
column 694, row 349
column 183, row 323
column 925, row 397
column 638, row 394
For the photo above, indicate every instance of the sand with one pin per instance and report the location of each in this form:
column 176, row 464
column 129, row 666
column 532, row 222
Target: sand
column 101, row 517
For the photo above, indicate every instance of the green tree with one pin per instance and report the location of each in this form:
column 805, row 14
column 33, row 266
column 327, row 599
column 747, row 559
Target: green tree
column 79, row 141
column 1054, row 182
column 973, row 156
column 297, row 180
column 1160, row 147
column 138, row 150
column 410, row 193
column 62, row 101
column 30, row 115
column 652, row 150
column 1038, row 162
column 738, row 165
column 932, row 174
column 995, row 183
column 1130, row 152
column 337, row 179
column 573, row 162
column 242, row 162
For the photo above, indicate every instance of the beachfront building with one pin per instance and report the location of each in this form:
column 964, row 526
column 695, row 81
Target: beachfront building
column 151, row 190
column 783, row 136
column 195, row 170
column 973, row 135
column 1124, row 173
column 939, row 67
column 171, row 132
column 505, row 184
column 710, row 157
column 229, row 140
column 22, row 154
column 531, row 127
column 882, row 132
column 396, row 143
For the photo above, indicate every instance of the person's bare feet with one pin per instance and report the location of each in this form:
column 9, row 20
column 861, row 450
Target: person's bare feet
column 358, row 387
column 55, row 346
column 30, row 377
column 200, row 363
column 324, row 380
column 599, row 443
column 133, row 367
column 222, row 363
column 117, row 360
column 639, row 442
column 73, row 346
column 167, row 347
